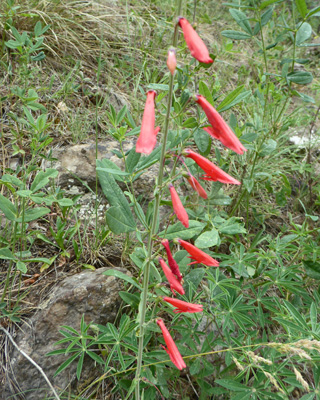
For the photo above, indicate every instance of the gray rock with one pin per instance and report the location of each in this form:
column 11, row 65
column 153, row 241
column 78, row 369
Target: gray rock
column 76, row 166
column 77, row 163
column 90, row 294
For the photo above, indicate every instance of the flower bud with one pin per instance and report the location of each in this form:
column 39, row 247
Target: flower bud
column 171, row 60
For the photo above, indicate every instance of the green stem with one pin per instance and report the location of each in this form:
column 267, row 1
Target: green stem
column 241, row 191
column 309, row 151
column 145, row 285
column 10, row 264
column 281, row 112
column 234, row 209
column 194, row 11
column 7, row 281
column 23, row 228
column 294, row 39
column 98, row 102
column 131, row 189
column 266, row 69
column 96, row 186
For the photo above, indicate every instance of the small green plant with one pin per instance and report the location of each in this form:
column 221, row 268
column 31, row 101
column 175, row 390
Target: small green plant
column 26, row 45
column 28, row 48
column 79, row 346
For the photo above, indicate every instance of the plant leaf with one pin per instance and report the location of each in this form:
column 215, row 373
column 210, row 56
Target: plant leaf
column 115, row 197
column 296, row 315
column 232, row 385
column 208, row 239
column 233, row 98
column 118, row 222
column 80, row 365
column 33, row 214
column 267, row 3
column 8, row 208
column 312, row 269
column 300, row 77
column 202, row 140
column 235, row 35
column 21, row 266
column 66, row 363
column 121, row 275
column 6, row 254
column 241, row 19
column 302, row 7
column 113, row 171
column 204, row 90
column 315, row 12
column 130, row 298
column 132, row 159
column 179, row 231
column 303, row 33
column 266, row 16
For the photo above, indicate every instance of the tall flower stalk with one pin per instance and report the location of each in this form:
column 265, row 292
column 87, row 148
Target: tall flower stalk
column 152, row 232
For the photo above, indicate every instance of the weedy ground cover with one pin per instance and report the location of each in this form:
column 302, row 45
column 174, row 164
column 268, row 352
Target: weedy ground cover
column 245, row 324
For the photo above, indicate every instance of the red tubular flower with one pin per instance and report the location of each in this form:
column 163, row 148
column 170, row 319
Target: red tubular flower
column 171, row 60
column 172, row 262
column 183, row 306
column 219, row 129
column 171, row 349
column 147, row 139
column 198, row 255
column 196, row 186
column 196, row 46
column 213, row 173
column 173, row 281
column 178, row 208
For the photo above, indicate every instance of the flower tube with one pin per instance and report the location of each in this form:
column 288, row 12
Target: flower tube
column 172, row 262
column 147, row 138
column 173, row 281
column 183, row 306
column 220, row 129
column 195, row 185
column 198, row 255
column 196, row 45
column 178, row 208
column 171, row 348
column 213, row 173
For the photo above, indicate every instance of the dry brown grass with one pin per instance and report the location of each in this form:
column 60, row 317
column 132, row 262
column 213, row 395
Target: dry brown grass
column 78, row 27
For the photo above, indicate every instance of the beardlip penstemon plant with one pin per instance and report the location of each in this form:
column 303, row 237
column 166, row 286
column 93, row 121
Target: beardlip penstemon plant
column 145, row 144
